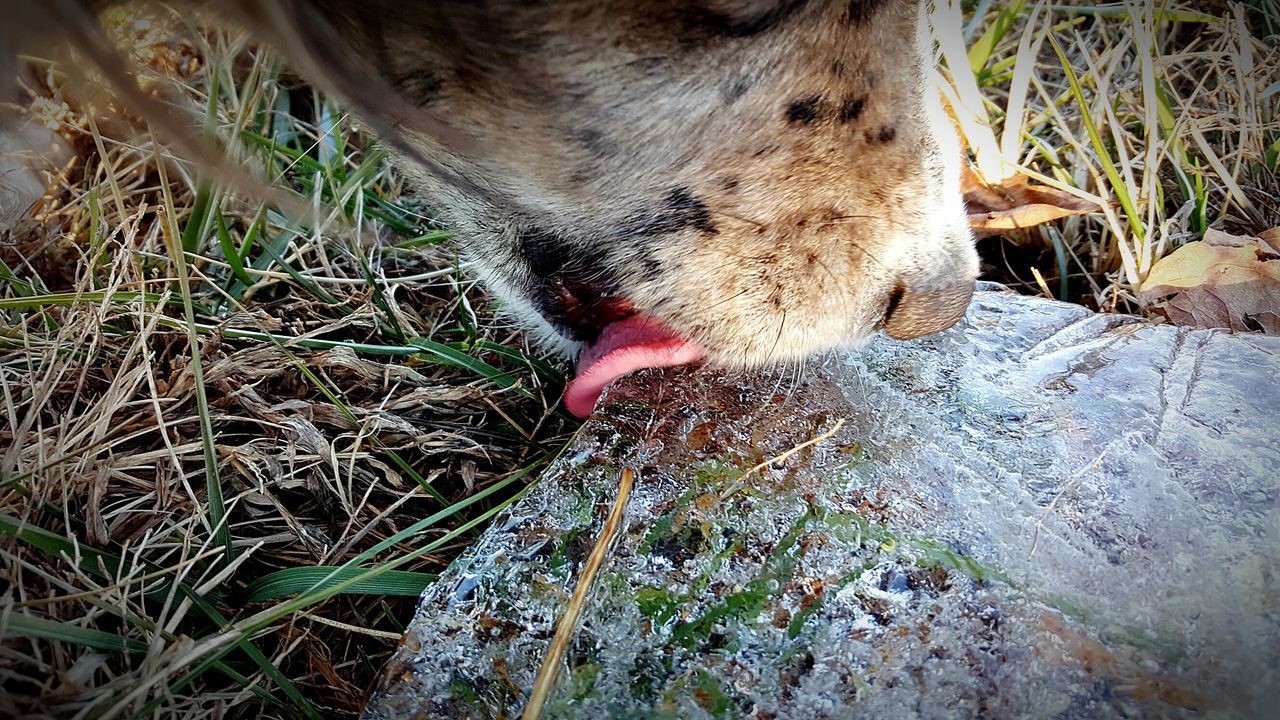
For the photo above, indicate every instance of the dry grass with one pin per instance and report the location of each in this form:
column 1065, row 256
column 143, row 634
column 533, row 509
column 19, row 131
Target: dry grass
column 193, row 440
column 179, row 428
column 1165, row 115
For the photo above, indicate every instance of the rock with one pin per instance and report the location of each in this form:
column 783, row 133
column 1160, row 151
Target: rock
column 1041, row 512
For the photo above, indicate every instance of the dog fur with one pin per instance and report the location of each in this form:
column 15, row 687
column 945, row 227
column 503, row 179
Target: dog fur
column 769, row 178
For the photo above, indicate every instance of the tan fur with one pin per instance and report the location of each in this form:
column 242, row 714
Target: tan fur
column 766, row 177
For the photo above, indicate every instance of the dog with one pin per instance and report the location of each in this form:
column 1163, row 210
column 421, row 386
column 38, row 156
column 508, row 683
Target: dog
column 650, row 182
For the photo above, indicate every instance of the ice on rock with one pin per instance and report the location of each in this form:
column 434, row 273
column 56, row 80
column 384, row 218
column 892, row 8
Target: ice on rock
column 1041, row 512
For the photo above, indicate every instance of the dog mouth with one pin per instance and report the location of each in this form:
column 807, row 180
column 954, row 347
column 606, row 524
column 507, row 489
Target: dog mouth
column 636, row 341
column 624, row 346
column 616, row 339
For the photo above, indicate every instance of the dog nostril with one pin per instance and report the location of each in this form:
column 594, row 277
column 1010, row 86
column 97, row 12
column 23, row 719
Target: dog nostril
column 895, row 299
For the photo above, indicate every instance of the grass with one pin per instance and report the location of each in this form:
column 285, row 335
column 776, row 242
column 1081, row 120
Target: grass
column 1165, row 116
column 235, row 447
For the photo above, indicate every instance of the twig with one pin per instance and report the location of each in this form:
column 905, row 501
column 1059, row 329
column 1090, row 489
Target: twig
column 739, row 483
column 381, row 634
column 569, row 621
column 1035, row 538
column 807, row 443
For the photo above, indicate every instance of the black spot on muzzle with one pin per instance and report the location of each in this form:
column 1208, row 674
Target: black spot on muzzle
column 860, row 11
column 573, row 284
column 803, row 111
column 852, row 108
column 680, row 209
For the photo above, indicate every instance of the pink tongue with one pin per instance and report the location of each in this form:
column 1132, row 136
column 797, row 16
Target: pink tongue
column 625, row 346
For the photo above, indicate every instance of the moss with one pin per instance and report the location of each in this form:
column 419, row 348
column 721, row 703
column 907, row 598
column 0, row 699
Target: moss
column 926, row 552
column 648, row 675
column 570, row 549
column 744, row 604
column 711, row 696
column 584, row 679
column 659, row 605
column 715, row 473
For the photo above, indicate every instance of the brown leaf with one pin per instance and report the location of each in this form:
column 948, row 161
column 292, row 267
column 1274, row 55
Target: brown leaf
column 1271, row 240
column 1221, row 285
column 1016, row 204
column 1218, row 238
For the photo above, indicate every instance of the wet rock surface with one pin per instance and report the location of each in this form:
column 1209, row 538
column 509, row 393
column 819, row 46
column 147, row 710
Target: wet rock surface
column 1042, row 512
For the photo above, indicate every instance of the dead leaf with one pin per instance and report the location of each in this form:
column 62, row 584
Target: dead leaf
column 1016, row 204
column 1271, row 239
column 95, row 528
column 1218, row 238
column 309, row 438
column 1218, row 283
column 468, row 472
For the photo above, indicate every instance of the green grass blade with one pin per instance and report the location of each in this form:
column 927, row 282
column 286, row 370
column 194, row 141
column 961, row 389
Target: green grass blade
column 351, row 417
column 242, row 281
column 198, row 224
column 107, row 566
column 434, row 237
column 980, row 52
column 263, row 663
column 67, row 299
column 229, row 250
column 19, row 625
column 445, row 514
column 975, row 19
column 304, row 167
column 456, row 358
column 1119, row 10
column 94, row 561
column 277, row 258
column 10, row 279
column 213, row 482
column 543, row 368
column 329, row 146
column 264, row 619
column 1104, row 156
column 326, row 590
column 274, row 250
column 291, row 581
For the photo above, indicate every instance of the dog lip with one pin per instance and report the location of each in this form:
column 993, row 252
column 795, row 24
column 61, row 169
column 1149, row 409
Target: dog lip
column 633, row 343
column 578, row 311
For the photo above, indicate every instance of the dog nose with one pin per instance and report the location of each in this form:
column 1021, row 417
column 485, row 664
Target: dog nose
column 925, row 307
